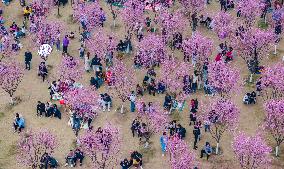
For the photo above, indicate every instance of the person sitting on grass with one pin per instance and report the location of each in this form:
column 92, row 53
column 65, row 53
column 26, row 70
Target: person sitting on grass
column 136, row 159
column 70, row 159
column 19, row 123
column 79, row 155
column 206, row 150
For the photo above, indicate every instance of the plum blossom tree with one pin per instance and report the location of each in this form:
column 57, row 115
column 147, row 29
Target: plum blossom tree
column 151, row 50
column 11, row 75
column 101, row 43
column 224, row 78
column 223, row 24
column 123, row 81
column 171, row 23
column 192, row 5
column 42, row 7
column 32, row 145
column 88, row 14
column 199, row 48
column 84, row 101
column 274, row 121
column 46, row 32
column 251, row 151
column 6, row 50
column 180, row 155
column 253, row 45
column 70, row 69
column 153, row 115
column 133, row 13
column 172, row 73
column 223, row 115
column 272, row 82
column 249, row 10
column 102, row 146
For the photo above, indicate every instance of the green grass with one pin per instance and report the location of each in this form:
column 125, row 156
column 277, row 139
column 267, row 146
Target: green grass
column 175, row 115
column 2, row 115
column 12, row 150
column 148, row 153
column 262, row 25
column 73, row 145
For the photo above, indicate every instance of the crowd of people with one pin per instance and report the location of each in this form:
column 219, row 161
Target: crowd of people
column 151, row 85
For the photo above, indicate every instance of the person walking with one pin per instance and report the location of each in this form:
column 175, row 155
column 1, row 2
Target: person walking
column 65, row 43
column 28, row 59
column 42, row 70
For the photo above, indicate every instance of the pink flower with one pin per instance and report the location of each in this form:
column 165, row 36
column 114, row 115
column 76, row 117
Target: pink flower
column 252, row 152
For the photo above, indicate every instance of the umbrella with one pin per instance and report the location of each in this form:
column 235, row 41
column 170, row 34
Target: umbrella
column 44, row 50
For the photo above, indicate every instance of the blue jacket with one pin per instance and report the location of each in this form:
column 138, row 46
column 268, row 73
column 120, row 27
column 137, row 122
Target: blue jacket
column 21, row 122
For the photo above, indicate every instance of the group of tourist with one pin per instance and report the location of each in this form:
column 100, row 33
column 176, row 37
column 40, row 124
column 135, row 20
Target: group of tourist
column 151, row 85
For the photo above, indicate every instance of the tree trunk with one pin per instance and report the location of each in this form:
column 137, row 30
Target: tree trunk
column 217, row 149
column 121, row 109
column 113, row 23
column 11, row 100
column 250, row 78
column 277, row 151
column 275, row 49
column 58, row 14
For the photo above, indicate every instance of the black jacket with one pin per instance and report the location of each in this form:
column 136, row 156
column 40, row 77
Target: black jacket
column 28, row 56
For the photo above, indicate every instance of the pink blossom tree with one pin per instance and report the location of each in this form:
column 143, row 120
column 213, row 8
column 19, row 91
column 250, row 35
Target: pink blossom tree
column 151, row 50
column 199, row 48
column 180, row 155
column 224, row 78
column 70, row 69
column 6, row 50
column 154, row 116
column 88, row 13
column 33, row 145
column 223, row 115
column 42, row 7
column 11, row 75
column 253, row 45
column 133, row 13
column 172, row 73
column 171, row 23
column 272, row 82
column 102, row 146
column 251, row 151
column 192, row 5
column 46, row 32
column 123, row 81
column 84, row 101
column 101, row 43
column 223, row 24
column 249, row 10
column 274, row 121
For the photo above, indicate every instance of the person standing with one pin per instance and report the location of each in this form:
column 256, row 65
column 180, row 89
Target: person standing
column 87, row 62
column 196, row 133
column 28, row 59
column 163, row 142
column 132, row 99
column 65, row 43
